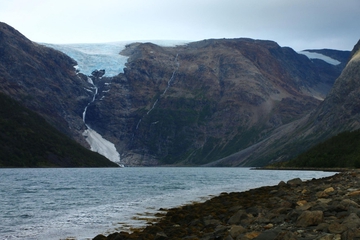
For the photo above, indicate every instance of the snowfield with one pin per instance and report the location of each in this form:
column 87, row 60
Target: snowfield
column 314, row 55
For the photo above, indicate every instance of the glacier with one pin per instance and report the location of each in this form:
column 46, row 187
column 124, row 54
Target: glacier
column 95, row 56
column 314, row 55
column 98, row 56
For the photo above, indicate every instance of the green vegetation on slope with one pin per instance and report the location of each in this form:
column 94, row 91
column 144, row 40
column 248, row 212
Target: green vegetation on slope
column 27, row 140
column 341, row 151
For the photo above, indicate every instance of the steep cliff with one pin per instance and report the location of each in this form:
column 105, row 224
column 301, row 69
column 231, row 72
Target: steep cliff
column 196, row 103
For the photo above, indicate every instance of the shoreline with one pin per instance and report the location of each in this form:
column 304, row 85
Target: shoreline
column 324, row 208
column 304, row 169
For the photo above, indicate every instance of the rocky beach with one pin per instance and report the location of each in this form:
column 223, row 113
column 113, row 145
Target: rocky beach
column 326, row 208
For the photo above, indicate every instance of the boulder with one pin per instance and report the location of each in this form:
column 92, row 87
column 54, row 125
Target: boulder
column 352, row 221
column 346, row 203
column 236, row 230
column 337, row 228
column 295, row 182
column 237, row 217
column 310, row 218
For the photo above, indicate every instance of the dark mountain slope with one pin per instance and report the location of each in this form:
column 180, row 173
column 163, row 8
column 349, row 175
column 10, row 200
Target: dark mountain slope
column 44, row 80
column 341, row 109
column 340, row 151
column 200, row 102
column 27, row 140
column 339, row 112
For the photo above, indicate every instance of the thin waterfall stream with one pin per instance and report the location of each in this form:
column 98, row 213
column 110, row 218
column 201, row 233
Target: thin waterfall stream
column 177, row 64
column 95, row 140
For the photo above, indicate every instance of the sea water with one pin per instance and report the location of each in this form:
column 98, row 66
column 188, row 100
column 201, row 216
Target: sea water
column 81, row 203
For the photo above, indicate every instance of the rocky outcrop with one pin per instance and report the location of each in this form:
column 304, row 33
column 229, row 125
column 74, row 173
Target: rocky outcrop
column 194, row 104
column 327, row 208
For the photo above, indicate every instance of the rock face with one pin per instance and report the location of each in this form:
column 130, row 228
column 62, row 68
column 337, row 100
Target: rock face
column 194, row 104
column 44, row 80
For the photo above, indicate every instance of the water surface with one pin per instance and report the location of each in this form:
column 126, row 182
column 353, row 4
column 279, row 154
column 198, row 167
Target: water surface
column 81, row 203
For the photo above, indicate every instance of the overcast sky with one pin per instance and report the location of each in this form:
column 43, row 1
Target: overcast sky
column 300, row 24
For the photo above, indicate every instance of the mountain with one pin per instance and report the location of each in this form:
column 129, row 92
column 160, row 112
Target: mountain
column 27, row 140
column 196, row 103
column 44, row 80
column 341, row 109
column 340, row 151
column 191, row 104
column 339, row 112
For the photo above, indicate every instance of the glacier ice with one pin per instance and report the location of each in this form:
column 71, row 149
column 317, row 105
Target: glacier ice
column 96, row 56
column 90, row 57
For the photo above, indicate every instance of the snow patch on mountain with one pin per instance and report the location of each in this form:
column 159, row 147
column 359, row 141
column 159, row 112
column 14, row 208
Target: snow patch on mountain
column 314, row 55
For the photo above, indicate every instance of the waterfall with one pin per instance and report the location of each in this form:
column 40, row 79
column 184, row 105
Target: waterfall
column 93, row 99
column 172, row 76
column 95, row 140
column 177, row 64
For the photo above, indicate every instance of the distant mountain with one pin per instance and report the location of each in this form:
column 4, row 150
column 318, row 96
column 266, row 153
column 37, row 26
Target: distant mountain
column 27, row 140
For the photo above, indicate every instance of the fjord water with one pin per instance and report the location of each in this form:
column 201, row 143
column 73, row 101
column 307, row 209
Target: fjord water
column 81, row 203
